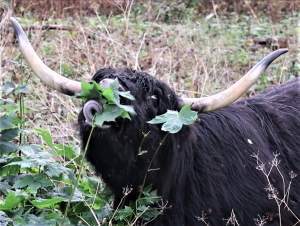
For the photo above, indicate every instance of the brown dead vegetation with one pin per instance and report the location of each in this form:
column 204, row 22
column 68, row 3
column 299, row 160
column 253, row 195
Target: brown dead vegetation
column 275, row 9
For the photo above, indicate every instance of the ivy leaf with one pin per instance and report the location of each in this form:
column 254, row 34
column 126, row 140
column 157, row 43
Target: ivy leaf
column 11, row 201
column 110, row 114
column 187, row 116
column 47, row 219
column 68, row 193
column 90, row 90
column 23, row 89
column 56, row 170
column 7, row 147
column 6, row 122
column 65, row 151
column 110, row 96
column 8, row 87
column 9, row 134
column 47, row 203
column 164, row 117
column 9, row 170
column 46, row 136
column 127, row 95
column 123, row 214
column 172, row 125
column 127, row 108
column 5, row 187
column 111, row 93
column 173, row 120
column 32, row 182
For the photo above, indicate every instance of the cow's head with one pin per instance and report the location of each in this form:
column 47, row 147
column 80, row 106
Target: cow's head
column 124, row 147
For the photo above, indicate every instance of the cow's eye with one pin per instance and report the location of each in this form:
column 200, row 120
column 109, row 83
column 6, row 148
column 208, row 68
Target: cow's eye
column 154, row 100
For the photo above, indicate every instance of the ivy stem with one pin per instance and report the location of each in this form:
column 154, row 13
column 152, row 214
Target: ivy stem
column 21, row 116
column 150, row 163
column 79, row 173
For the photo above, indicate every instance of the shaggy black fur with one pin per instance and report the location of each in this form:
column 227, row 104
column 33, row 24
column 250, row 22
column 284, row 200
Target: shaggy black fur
column 207, row 168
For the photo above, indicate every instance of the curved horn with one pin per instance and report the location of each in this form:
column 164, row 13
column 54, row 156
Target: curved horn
column 88, row 109
column 228, row 96
column 48, row 76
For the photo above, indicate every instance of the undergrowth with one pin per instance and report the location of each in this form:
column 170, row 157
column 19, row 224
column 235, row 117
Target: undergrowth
column 50, row 183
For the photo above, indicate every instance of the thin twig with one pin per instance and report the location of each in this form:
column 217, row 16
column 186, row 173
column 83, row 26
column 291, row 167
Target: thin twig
column 50, row 27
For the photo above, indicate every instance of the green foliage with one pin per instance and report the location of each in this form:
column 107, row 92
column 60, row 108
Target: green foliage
column 11, row 201
column 48, row 49
column 9, row 122
column 67, row 69
column 47, row 203
column 173, row 120
column 143, row 208
column 240, row 57
column 110, row 98
column 50, row 184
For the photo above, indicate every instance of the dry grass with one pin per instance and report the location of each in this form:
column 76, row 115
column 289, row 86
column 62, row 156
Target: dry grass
column 196, row 58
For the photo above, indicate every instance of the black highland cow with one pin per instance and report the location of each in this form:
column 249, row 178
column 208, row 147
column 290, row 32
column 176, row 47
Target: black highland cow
column 214, row 167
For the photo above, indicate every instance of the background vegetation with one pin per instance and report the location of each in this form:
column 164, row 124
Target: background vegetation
column 197, row 47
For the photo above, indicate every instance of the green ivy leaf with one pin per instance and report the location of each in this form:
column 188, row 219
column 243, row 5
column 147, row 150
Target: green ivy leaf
column 110, row 97
column 111, row 93
column 23, row 89
column 90, row 90
column 8, row 87
column 9, row 134
column 110, row 114
column 127, row 108
column 11, row 201
column 173, row 124
column 127, row 95
column 187, row 116
column 65, row 151
column 124, row 214
column 9, row 170
column 56, row 170
column 32, row 182
column 32, row 220
column 7, row 147
column 6, row 122
column 46, row 136
column 173, row 120
column 47, row 203
column 67, row 193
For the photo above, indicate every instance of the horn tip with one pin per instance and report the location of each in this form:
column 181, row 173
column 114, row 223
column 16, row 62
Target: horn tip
column 283, row 50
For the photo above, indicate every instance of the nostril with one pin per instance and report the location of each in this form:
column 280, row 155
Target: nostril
column 90, row 108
